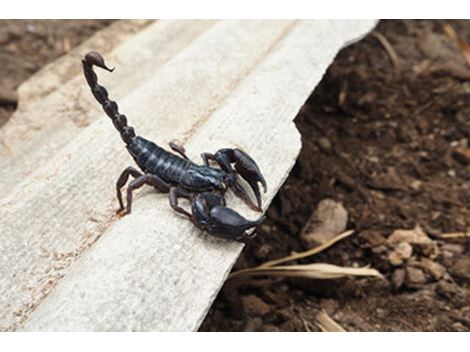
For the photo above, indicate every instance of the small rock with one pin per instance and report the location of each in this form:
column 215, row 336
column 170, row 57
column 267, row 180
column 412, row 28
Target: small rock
column 462, row 155
column 379, row 249
column 372, row 238
column 254, row 305
column 434, row 269
column 416, row 185
column 414, row 277
column 262, row 251
column 400, row 254
column 398, row 278
column 430, row 250
column 414, row 236
column 270, row 328
column 328, row 220
column 325, row 144
column 458, row 327
column 461, row 269
column 254, row 324
column 453, row 248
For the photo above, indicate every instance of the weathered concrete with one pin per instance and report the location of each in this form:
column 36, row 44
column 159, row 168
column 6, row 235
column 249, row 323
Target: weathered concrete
column 152, row 270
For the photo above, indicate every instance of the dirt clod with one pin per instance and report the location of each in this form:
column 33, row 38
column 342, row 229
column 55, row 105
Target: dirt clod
column 461, row 269
column 400, row 254
column 398, row 278
column 255, row 305
column 389, row 160
column 414, row 236
column 434, row 269
column 328, row 220
column 414, row 277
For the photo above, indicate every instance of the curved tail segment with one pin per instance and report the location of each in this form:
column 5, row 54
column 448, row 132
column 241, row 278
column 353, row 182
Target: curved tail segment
column 101, row 95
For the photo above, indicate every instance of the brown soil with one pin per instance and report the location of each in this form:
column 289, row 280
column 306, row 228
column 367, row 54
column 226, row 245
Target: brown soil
column 381, row 138
column 27, row 45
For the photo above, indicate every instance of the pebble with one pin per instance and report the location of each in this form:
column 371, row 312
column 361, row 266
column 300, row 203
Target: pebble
column 414, row 236
column 434, row 269
column 398, row 278
column 254, row 324
column 325, row 144
column 461, row 269
column 462, row 155
column 400, row 254
column 328, row 220
column 372, row 238
column 255, row 305
column 270, row 328
column 453, row 248
column 414, row 277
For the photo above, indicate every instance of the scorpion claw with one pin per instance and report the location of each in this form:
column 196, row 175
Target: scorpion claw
column 247, row 168
column 96, row 59
column 210, row 215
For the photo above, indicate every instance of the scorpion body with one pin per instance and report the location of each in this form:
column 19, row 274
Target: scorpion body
column 204, row 185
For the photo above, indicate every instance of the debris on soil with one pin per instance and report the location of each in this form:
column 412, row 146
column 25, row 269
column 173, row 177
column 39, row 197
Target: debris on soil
column 415, row 236
column 400, row 254
column 327, row 324
column 462, row 155
column 401, row 241
column 414, row 277
column 460, row 270
column 434, row 269
column 329, row 219
column 398, row 278
column 255, row 305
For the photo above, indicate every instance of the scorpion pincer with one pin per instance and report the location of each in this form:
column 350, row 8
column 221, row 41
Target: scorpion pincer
column 203, row 185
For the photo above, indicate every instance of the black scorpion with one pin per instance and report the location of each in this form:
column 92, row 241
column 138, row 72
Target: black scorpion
column 203, row 185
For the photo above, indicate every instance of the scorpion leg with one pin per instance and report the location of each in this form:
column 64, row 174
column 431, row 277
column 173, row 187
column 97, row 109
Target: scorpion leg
column 147, row 179
column 121, row 182
column 206, row 157
column 179, row 149
column 175, row 193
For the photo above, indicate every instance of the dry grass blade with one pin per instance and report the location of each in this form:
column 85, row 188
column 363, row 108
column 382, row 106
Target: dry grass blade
column 308, row 253
column 308, row 271
column 462, row 44
column 327, row 324
column 455, row 235
column 388, row 48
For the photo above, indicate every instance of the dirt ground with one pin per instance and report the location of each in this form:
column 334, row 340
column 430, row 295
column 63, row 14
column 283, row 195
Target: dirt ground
column 380, row 136
column 386, row 135
column 27, row 45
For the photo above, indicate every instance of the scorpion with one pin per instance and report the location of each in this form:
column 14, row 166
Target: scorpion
column 203, row 185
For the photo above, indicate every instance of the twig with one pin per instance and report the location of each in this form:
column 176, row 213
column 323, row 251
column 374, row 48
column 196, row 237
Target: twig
column 452, row 235
column 388, row 48
column 327, row 324
column 308, row 253
column 462, row 44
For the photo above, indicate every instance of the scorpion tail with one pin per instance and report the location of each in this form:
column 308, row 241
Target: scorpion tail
column 101, row 95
